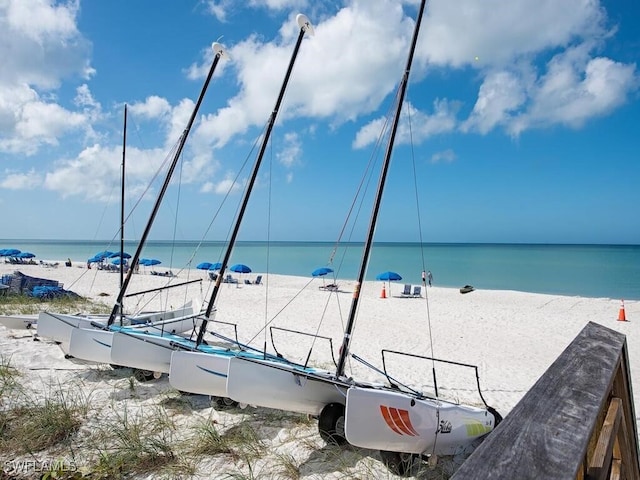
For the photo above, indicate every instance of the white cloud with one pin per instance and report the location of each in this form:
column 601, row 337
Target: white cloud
column 153, row 107
column 291, row 152
column 41, row 47
column 95, row 173
column 414, row 126
column 499, row 32
column 500, row 96
column 21, row 181
column 576, row 89
column 445, row 156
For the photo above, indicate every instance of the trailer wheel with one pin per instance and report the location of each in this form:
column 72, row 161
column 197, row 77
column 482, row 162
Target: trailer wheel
column 398, row 463
column 331, row 424
column 223, row 402
column 496, row 415
column 143, row 375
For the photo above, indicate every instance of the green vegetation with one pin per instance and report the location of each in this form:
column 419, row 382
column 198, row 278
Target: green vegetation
column 24, row 304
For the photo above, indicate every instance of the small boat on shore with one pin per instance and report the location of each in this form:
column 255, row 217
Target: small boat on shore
column 19, row 322
column 467, row 289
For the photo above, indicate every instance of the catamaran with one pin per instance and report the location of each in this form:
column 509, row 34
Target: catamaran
column 91, row 340
column 401, row 422
column 192, row 365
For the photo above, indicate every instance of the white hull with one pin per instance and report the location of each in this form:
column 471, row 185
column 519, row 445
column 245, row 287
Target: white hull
column 384, row 419
column 94, row 344
column 141, row 351
column 91, row 344
column 19, row 322
column 198, row 372
column 282, row 386
column 58, row 326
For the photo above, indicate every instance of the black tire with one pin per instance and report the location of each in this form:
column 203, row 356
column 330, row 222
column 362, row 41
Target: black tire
column 496, row 415
column 398, row 463
column 143, row 375
column 331, row 424
column 223, row 402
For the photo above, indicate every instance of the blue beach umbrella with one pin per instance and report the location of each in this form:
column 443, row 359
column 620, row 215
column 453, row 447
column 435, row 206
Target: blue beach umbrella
column 120, row 255
column 10, row 252
column 388, row 277
column 152, row 261
column 102, row 255
column 25, row 255
column 215, row 266
column 204, row 266
column 320, row 272
column 116, row 261
column 240, row 268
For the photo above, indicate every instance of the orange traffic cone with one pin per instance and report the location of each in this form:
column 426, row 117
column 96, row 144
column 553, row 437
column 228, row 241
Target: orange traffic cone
column 383, row 294
column 621, row 315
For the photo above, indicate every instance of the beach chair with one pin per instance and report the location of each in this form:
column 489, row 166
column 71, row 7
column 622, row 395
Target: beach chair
column 213, row 276
column 407, row 290
column 258, row 280
column 417, row 291
column 331, row 287
column 247, row 282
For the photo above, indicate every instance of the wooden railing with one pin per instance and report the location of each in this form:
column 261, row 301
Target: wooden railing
column 577, row 422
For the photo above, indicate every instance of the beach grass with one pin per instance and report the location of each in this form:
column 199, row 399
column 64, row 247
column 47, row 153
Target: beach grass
column 24, row 304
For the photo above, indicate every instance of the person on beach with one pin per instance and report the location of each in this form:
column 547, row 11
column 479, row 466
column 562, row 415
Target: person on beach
column 429, row 277
column 424, row 278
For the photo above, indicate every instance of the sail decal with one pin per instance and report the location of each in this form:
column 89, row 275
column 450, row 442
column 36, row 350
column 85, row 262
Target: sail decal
column 101, row 343
column 398, row 420
column 212, row 372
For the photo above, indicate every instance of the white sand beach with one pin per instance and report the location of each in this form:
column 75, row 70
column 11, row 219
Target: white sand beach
column 512, row 337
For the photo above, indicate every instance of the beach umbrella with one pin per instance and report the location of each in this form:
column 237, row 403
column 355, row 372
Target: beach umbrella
column 240, row 268
column 120, row 255
column 102, row 255
column 116, row 261
column 10, row 252
column 320, row 272
column 389, row 277
column 215, row 266
column 25, row 255
column 204, row 266
column 152, row 261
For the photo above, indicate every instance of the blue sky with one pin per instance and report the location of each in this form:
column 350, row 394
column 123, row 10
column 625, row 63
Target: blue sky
column 523, row 118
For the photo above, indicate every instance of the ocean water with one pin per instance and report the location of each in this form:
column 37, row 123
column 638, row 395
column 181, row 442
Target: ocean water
column 610, row 271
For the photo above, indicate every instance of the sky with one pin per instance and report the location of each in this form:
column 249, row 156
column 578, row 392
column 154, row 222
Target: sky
column 520, row 122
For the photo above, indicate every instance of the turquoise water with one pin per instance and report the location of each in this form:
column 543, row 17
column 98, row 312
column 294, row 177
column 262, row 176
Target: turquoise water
column 586, row 270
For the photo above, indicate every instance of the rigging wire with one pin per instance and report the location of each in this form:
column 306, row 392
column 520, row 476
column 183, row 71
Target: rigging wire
column 419, row 219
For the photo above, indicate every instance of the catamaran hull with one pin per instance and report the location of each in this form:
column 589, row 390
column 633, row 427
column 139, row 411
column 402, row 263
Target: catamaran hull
column 58, row 326
column 91, row 344
column 141, row 351
column 94, row 344
column 198, row 372
column 19, row 322
column 388, row 420
column 281, row 386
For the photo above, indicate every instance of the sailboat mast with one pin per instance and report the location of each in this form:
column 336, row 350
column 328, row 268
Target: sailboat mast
column 305, row 26
column 344, row 350
column 219, row 53
column 124, row 148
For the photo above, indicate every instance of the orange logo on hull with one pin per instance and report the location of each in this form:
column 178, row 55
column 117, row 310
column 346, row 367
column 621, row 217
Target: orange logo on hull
column 398, row 420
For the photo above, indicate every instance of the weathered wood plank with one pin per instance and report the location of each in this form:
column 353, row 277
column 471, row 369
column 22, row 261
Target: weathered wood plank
column 601, row 459
column 547, row 433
